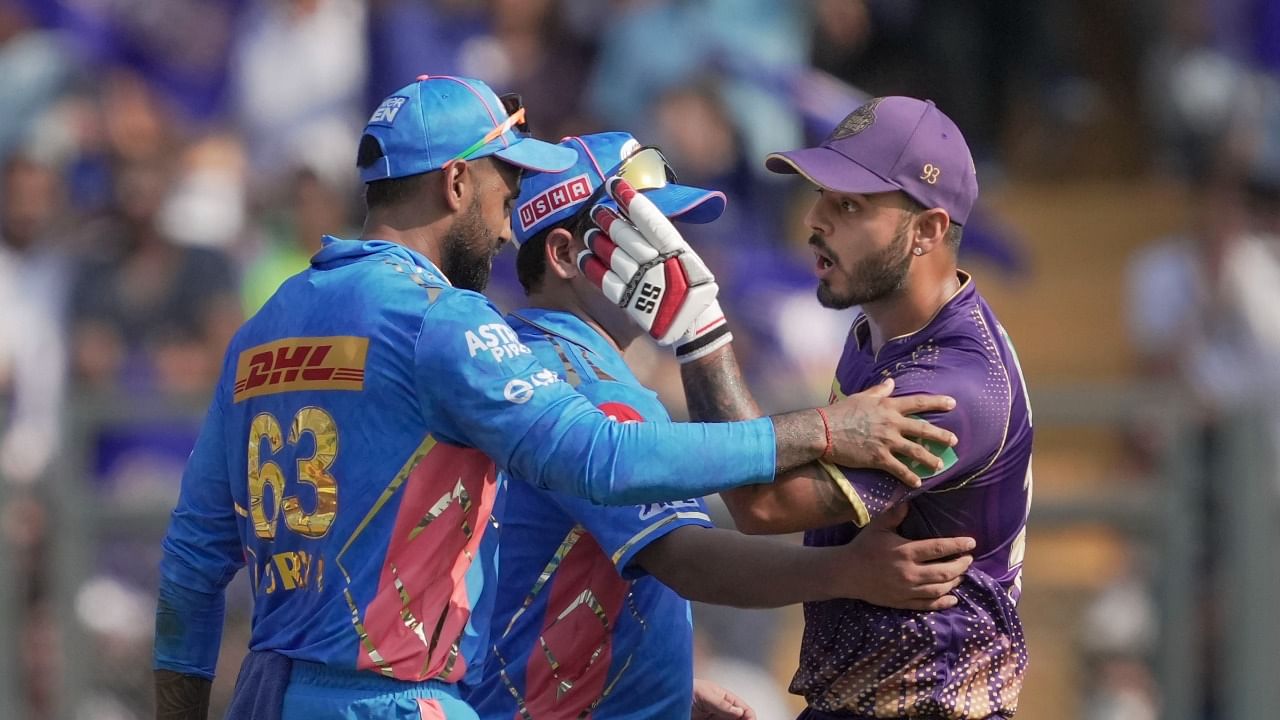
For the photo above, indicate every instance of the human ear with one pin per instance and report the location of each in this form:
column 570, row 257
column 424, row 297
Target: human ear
column 560, row 255
column 459, row 179
column 931, row 231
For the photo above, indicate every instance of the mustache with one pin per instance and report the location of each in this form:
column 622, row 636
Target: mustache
column 822, row 245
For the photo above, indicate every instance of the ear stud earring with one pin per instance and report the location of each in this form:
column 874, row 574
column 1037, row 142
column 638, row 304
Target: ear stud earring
column 918, row 251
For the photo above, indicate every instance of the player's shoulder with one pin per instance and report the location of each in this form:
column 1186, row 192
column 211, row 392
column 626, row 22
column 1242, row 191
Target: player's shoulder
column 564, row 342
column 448, row 303
column 947, row 361
column 967, row 335
column 376, row 270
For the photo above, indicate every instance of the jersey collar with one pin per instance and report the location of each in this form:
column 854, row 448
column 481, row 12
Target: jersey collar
column 562, row 324
column 862, row 329
column 336, row 252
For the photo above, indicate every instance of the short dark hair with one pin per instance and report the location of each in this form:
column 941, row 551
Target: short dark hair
column 382, row 193
column 955, row 232
column 531, row 258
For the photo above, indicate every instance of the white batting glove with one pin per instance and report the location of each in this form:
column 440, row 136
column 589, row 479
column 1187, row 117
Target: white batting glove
column 642, row 263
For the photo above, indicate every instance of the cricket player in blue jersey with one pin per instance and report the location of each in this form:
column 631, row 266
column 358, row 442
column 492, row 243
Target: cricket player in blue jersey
column 896, row 183
column 589, row 617
column 350, row 452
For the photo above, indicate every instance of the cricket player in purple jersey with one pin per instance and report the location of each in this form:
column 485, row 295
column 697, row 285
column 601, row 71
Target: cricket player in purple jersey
column 896, row 183
column 350, row 453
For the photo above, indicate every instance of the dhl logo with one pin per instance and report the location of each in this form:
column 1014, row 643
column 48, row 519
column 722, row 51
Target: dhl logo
column 304, row 363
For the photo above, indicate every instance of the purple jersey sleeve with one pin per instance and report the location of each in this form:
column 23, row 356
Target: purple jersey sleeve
column 980, row 421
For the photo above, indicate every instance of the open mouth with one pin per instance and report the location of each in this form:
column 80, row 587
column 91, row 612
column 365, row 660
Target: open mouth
column 823, row 263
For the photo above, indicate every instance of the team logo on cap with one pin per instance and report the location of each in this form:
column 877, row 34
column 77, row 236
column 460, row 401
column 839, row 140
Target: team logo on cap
column 554, row 199
column 387, row 111
column 857, row 121
column 629, row 148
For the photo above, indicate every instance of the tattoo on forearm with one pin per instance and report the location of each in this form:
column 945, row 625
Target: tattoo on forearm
column 715, row 389
column 799, row 439
column 181, row 697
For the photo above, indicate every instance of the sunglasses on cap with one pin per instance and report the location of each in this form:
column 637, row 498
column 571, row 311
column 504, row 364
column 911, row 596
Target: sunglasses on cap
column 645, row 169
column 514, row 106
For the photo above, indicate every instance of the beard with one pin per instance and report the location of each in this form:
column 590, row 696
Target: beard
column 874, row 278
column 468, row 252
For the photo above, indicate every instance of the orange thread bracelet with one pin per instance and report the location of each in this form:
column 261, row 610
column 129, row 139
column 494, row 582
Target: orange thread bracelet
column 826, row 426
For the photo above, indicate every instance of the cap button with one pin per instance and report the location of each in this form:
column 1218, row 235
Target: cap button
column 422, row 77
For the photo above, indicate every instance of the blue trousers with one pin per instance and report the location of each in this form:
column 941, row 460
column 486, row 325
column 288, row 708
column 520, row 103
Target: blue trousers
column 272, row 687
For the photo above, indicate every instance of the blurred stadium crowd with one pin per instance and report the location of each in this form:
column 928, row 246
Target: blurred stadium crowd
column 164, row 165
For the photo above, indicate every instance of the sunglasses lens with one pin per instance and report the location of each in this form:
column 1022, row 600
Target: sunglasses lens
column 647, row 170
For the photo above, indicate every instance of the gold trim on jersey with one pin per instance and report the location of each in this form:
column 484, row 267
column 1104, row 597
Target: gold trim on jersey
column 570, row 372
column 428, row 443
column 965, row 280
column 617, row 556
column 861, row 515
column 1008, row 413
column 571, row 539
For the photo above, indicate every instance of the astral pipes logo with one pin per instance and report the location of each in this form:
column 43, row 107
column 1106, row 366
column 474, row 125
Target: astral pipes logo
column 556, row 198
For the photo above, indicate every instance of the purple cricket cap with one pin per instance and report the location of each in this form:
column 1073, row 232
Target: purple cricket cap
column 892, row 143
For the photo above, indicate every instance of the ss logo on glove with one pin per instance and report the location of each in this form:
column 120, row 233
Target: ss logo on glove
column 650, row 294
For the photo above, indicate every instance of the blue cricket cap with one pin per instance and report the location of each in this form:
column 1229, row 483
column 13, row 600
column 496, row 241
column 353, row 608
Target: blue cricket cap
column 436, row 118
column 549, row 197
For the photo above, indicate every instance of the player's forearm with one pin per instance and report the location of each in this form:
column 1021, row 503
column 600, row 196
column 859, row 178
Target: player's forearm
column 716, row 390
column 726, row 568
column 802, row 499
column 181, row 697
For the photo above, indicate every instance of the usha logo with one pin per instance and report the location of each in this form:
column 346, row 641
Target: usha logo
column 556, row 198
column 311, row 363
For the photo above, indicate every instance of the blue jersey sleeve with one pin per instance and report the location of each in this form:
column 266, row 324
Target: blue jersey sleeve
column 624, row 531
column 485, row 389
column 980, row 421
column 202, row 552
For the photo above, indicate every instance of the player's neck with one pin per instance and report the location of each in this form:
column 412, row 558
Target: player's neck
column 911, row 308
column 414, row 233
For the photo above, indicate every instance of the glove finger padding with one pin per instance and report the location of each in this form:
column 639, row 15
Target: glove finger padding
column 601, row 276
column 658, row 230
column 647, row 218
column 624, row 234
column 603, row 247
